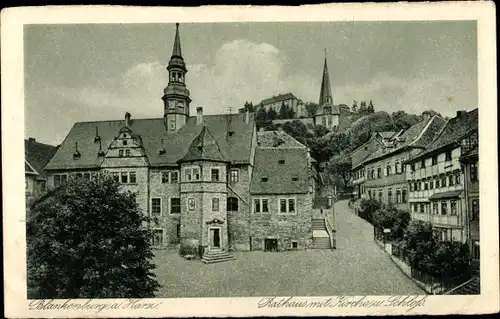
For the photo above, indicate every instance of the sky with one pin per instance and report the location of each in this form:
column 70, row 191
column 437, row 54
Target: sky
column 90, row 72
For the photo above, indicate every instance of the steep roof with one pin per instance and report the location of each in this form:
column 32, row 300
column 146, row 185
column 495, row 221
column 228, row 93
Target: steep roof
column 270, row 176
column 155, row 137
column 278, row 98
column 454, row 130
column 277, row 139
column 204, row 148
column 37, row 155
column 418, row 135
column 326, row 90
column 321, row 111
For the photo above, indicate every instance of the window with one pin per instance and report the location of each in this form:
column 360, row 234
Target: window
column 419, row 185
column 379, row 172
column 434, row 160
column 287, row 205
column 116, row 177
column 389, row 196
column 451, row 180
column 457, row 178
column 437, row 183
column 174, row 177
column 294, row 244
column 426, row 185
column 475, row 209
column 124, row 178
column 192, row 174
column 281, row 162
column 403, row 166
column 422, row 208
column 215, row 174
column 398, row 195
column 264, row 179
column 215, row 204
column 156, row 206
column 232, row 204
column 475, row 250
column 295, row 179
column 234, row 175
column 412, row 167
column 133, row 178
column 178, row 230
column 120, row 153
column 79, row 175
column 422, row 164
column 389, row 169
column 403, row 196
column 157, row 237
column 448, row 156
column 124, row 142
column 435, row 208
column 86, row 176
column 260, row 205
column 453, row 207
column 93, row 176
column 443, row 181
column 380, row 195
column 191, row 204
column 444, row 208
column 473, row 172
column 411, row 187
column 127, row 153
column 164, row 177
column 175, row 205
column 396, row 168
column 64, row 178
column 57, row 180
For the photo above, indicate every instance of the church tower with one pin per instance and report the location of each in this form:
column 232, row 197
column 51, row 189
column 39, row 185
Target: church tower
column 176, row 96
column 325, row 95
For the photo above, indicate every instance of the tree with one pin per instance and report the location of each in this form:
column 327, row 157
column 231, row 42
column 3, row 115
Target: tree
column 340, row 166
column 261, row 117
column 370, row 108
column 402, row 121
column 284, row 112
column 88, row 239
column 247, row 107
column 354, row 106
column 272, row 115
column 311, row 109
column 362, row 108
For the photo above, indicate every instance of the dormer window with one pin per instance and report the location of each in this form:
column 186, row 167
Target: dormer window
column 295, row 179
column 230, row 133
column 76, row 154
column 120, row 153
column 127, row 153
column 124, row 142
column 264, row 179
column 281, row 162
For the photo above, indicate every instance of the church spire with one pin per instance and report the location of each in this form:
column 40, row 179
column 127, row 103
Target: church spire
column 325, row 95
column 177, row 52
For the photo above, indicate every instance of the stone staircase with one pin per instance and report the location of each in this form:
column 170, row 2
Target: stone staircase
column 321, row 239
column 214, row 255
column 471, row 287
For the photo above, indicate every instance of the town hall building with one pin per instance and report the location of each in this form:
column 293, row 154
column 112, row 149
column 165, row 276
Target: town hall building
column 209, row 182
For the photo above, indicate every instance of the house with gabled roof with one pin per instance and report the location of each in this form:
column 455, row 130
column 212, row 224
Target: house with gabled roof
column 197, row 176
column 36, row 156
column 385, row 170
column 443, row 181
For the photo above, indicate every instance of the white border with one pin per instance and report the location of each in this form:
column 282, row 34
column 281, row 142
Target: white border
column 13, row 20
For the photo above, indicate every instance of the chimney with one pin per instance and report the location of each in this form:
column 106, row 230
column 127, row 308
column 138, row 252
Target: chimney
column 426, row 116
column 247, row 116
column 199, row 115
column 127, row 119
column 31, row 140
column 460, row 113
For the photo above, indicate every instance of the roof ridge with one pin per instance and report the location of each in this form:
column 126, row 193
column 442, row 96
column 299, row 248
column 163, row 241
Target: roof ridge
column 423, row 131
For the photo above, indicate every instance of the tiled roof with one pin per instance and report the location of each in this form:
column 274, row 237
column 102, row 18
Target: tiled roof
column 278, row 98
column 277, row 139
column 454, row 130
column 154, row 136
column 204, row 147
column 449, row 194
column 418, row 135
column 28, row 169
column 38, row 154
column 280, row 177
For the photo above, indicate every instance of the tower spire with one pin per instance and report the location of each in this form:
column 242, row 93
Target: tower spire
column 325, row 95
column 177, row 52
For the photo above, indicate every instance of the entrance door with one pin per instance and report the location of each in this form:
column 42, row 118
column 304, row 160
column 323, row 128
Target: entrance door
column 270, row 244
column 215, row 237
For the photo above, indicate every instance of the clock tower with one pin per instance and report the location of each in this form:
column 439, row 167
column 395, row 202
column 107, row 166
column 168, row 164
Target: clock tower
column 176, row 96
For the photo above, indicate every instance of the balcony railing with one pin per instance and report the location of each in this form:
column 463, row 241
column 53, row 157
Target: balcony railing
column 451, row 220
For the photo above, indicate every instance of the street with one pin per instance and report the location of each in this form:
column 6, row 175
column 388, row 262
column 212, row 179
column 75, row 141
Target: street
column 357, row 267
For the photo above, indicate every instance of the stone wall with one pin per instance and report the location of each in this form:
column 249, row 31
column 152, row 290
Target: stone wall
column 283, row 227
